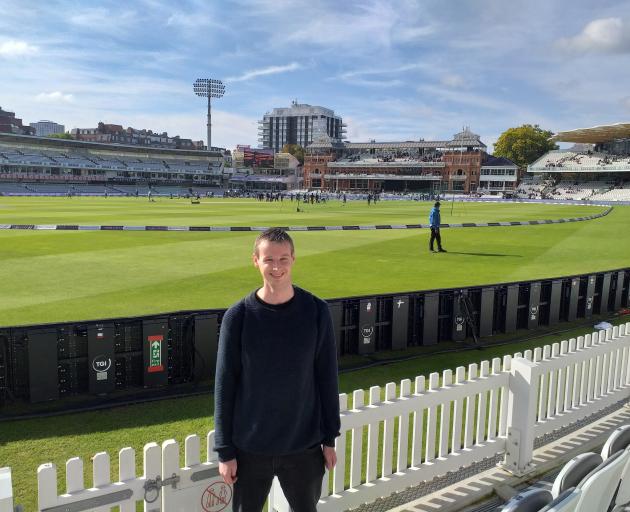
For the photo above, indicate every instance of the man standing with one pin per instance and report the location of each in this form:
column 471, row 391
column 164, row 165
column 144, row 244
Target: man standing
column 434, row 222
column 276, row 393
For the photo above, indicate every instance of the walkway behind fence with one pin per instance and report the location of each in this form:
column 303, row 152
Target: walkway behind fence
column 498, row 408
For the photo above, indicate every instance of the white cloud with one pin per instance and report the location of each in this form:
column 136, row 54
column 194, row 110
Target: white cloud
column 626, row 103
column 362, row 27
column 271, row 70
column 469, row 98
column 413, row 34
column 370, row 77
column 605, row 35
column 375, row 83
column 100, row 19
column 13, row 48
column 357, row 131
column 454, row 81
column 194, row 21
column 369, row 24
column 54, row 97
column 381, row 71
column 185, row 20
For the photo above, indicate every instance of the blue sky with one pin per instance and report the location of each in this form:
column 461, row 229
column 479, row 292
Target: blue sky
column 394, row 70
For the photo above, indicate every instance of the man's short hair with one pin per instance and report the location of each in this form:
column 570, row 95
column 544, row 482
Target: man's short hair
column 275, row 235
column 437, row 204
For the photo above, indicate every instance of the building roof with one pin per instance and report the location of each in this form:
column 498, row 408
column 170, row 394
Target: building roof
column 54, row 143
column 465, row 138
column 595, row 134
column 300, row 109
column 426, row 144
column 497, row 161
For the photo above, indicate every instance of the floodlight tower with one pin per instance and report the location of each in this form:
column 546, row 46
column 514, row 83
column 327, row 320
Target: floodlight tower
column 209, row 88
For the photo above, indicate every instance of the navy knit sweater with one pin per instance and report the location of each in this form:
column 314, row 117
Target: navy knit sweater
column 276, row 387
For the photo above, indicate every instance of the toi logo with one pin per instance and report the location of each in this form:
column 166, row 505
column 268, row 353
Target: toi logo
column 101, row 363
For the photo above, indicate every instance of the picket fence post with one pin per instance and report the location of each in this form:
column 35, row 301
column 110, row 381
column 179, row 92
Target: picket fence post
column 521, row 416
column 6, row 490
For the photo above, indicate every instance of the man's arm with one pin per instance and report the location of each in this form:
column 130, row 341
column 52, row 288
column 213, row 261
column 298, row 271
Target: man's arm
column 226, row 382
column 327, row 378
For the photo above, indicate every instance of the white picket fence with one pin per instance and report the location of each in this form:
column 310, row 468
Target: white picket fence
column 497, row 407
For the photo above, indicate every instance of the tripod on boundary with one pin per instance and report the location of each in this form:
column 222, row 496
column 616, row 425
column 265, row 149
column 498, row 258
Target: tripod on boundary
column 466, row 307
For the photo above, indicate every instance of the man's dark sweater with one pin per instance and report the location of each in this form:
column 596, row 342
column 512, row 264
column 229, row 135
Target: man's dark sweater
column 276, row 387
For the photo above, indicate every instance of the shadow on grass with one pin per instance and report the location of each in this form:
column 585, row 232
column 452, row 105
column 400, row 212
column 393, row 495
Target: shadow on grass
column 141, row 415
column 486, row 254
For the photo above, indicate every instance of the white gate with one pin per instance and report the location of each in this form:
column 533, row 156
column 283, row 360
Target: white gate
column 103, row 495
column 197, row 487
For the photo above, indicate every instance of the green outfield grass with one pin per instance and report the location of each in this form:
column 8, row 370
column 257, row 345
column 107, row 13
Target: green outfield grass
column 50, row 276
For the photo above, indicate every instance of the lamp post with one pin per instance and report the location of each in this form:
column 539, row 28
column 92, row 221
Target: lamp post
column 209, row 88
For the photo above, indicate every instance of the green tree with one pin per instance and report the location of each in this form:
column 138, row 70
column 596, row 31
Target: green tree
column 524, row 145
column 60, row 136
column 296, row 150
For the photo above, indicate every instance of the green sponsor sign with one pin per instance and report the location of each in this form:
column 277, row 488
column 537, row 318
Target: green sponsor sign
column 155, row 353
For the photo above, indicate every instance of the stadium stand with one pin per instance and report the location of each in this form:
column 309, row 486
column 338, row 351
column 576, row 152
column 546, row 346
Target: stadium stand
column 577, row 190
column 393, row 157
column 597, row 167
column 421, row 166
column 529, row 190
column 615, row 193
column 13, row 189
column 584, row 160
column 586, row 483
column 27, row 162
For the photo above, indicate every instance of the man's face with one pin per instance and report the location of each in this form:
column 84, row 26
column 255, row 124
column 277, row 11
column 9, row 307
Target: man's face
column 274, row 260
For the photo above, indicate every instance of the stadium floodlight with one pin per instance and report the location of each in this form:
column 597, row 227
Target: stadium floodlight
column 209, row 88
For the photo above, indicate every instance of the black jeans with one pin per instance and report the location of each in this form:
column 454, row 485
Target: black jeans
column 300, row 476
column 435, row 235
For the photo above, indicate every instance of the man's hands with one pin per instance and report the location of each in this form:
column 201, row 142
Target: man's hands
column 228, row 471
column 330, row 457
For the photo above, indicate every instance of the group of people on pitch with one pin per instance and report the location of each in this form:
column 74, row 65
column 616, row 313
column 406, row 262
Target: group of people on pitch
column 276, row 386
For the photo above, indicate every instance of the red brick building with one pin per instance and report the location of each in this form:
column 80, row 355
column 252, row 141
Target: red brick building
column 11, row 124
column 116, row 134
column 411, row 166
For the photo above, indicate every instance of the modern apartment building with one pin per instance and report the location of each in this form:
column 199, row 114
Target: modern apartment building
column 45, row 128
column 299, row 124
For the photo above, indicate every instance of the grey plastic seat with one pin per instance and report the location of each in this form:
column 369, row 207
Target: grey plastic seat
column 565, row 502
column 622, row 499
column 531, row 500
column 574, row 472
column 600, row 487
column 599, row 491
column 617, row 441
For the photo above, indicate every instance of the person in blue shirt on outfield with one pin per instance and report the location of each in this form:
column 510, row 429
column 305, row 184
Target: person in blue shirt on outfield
column 276, row 392
column 434, row 222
